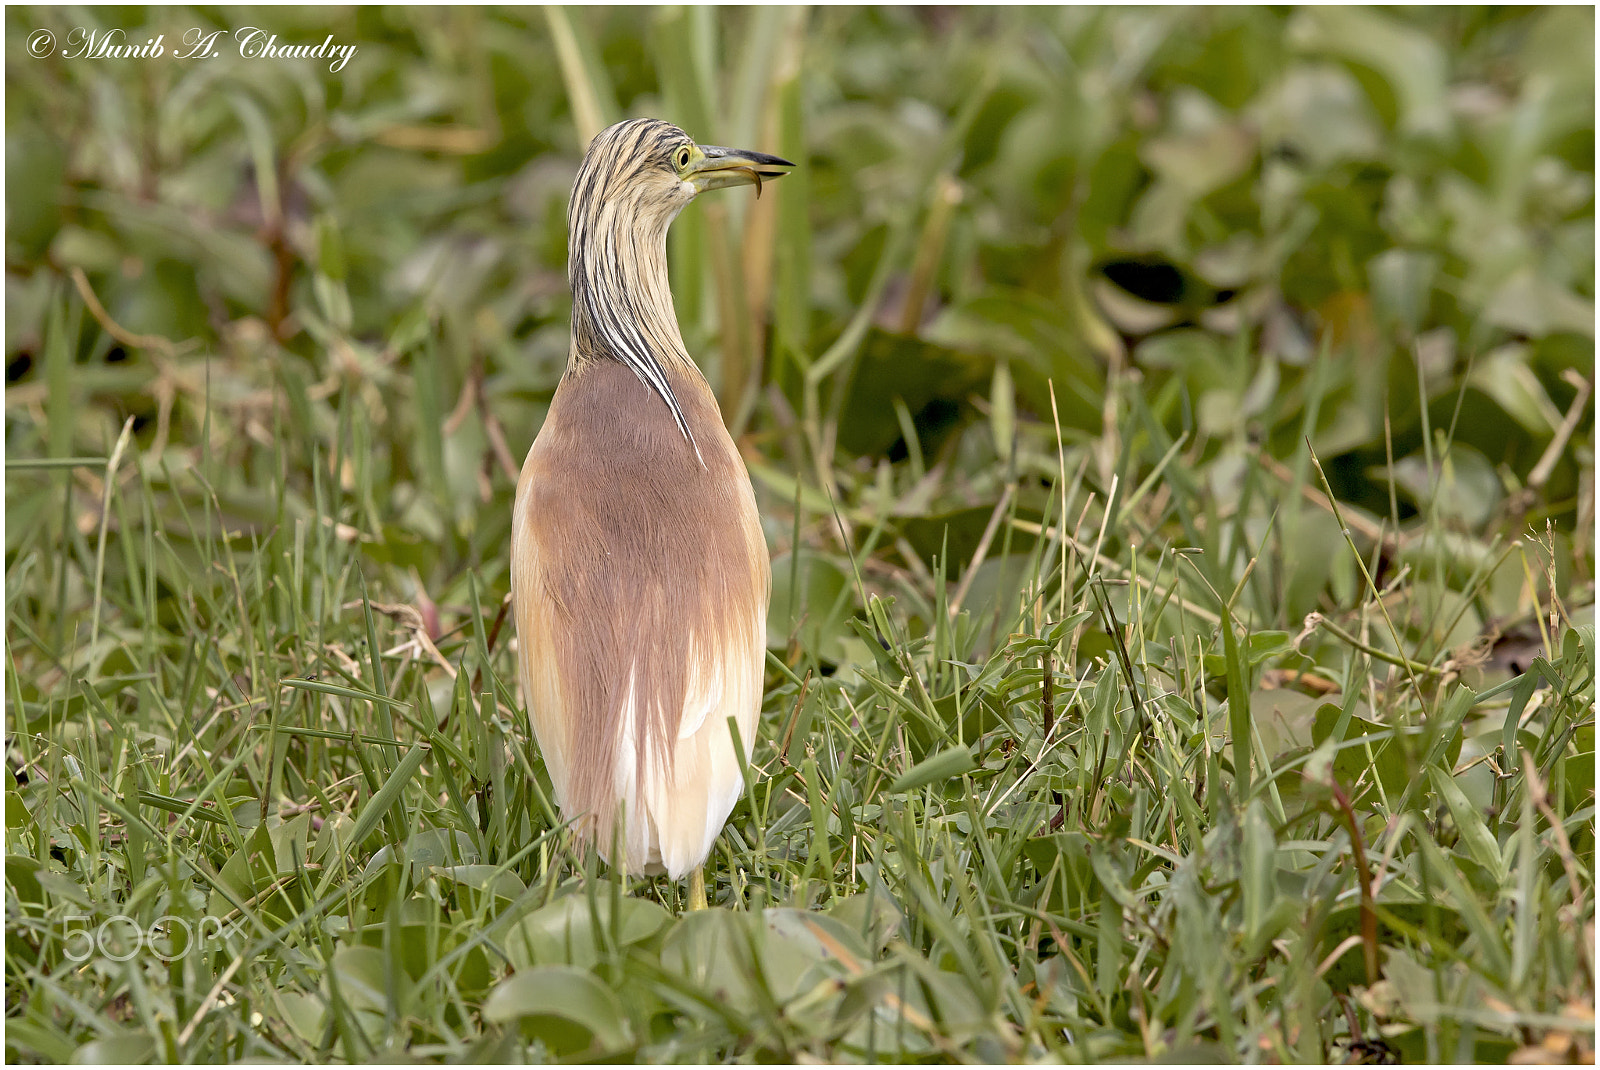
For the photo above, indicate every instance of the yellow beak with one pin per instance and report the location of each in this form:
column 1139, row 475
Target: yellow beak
column 720, row 168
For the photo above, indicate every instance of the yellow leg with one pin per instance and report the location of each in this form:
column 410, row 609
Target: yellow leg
column 697, row 889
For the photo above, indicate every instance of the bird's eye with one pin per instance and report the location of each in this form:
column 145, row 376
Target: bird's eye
column 683, row 157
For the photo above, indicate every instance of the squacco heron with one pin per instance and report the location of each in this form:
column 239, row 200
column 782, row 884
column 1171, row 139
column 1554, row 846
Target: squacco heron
column 639, row 574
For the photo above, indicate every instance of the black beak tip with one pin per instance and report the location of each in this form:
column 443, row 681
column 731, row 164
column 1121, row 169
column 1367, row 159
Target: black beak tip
column 762, row 160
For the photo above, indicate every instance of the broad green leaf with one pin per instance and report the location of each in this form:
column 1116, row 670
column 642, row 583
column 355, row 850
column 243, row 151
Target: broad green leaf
column 566, row 933
column 563, row 1006
column 124, row 1049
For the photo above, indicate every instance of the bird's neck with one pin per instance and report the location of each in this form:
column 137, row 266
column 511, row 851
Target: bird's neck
column 621, row 298
column 622, row 301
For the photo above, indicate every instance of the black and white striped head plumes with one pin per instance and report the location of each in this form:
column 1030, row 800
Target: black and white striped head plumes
column 628, row 192
column 634, row 180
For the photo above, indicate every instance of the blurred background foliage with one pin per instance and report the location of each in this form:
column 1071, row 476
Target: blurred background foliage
column 1144, row 260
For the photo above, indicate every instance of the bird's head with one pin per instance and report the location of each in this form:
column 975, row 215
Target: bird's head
column 643, row 171
column 634, row 180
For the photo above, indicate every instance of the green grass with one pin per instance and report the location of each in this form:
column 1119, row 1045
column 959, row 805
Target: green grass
column 1182, row 642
